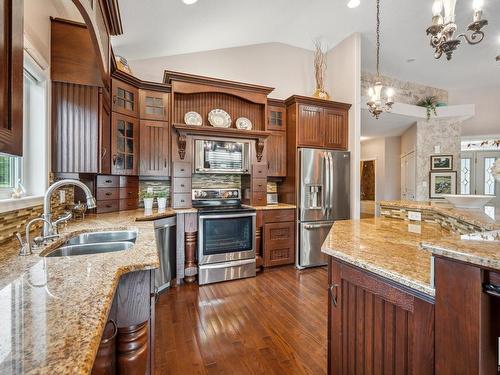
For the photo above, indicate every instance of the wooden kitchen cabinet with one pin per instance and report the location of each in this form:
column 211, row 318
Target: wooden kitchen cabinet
column 276, row 115
column 278, row 237
column 276, row 154
column 154, row 148
column 11, row 77
column 124, row 144
column 154, row 105
column 125, row 98
column 375, row 325
column 317, row 123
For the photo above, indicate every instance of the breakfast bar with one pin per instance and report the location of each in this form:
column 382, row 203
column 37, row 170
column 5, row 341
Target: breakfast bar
column 415, row 295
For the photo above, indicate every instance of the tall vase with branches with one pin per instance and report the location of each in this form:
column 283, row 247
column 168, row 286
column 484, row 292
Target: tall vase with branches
column 320, row 66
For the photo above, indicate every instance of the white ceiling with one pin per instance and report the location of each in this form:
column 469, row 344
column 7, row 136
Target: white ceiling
column 388, row 125
column 155, row 28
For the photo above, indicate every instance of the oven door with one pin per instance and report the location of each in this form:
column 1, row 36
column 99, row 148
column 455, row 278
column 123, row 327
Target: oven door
column 226, row 237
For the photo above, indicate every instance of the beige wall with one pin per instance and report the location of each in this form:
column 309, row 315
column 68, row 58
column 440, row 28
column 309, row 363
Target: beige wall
column 386, row 151
column 409, row 140
column 487, row 118
column 288, row 69
column 344, row 85
column 37, row 15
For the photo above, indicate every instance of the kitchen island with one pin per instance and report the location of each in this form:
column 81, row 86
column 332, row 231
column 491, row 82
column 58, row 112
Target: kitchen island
column 411, row 296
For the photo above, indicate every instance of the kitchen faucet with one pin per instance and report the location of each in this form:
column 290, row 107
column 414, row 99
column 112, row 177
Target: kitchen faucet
column 27, row 246
column 47, row 212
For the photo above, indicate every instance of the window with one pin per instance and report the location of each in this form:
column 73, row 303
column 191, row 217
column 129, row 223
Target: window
column 465, row 177
column 31, row 169
column 489, row 179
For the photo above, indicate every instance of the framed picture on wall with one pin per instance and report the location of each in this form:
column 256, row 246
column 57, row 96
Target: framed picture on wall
column 441, row 162
column 441, row 183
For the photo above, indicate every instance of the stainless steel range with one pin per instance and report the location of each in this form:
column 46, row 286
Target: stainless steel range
column 226, row 235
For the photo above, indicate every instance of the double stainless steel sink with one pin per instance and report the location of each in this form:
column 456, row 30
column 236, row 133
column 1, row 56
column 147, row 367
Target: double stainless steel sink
column 96, row 243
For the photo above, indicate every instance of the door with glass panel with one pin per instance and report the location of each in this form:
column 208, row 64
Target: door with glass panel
column 476, row 174
column 124, row 144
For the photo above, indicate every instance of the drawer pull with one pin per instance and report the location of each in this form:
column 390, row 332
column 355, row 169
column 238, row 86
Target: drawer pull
column 108, row 194
column 182, row 200
column 108, row 181
column 492, row 289
column 182, row 185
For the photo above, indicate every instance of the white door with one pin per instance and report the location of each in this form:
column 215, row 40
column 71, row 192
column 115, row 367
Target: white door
column 476, row 174
column 408, row 171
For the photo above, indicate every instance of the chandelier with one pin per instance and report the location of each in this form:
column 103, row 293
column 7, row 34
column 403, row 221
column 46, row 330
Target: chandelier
column 376, row 104
column 444, row 27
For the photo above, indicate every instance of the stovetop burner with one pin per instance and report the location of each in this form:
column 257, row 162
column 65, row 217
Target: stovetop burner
column 219, row 200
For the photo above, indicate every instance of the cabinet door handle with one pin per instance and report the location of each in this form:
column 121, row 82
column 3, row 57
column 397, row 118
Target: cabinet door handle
column 115, row 157
column 115, row 331
column 332, row 296
column 114, row 99
column 104, row 152
column 492, row 289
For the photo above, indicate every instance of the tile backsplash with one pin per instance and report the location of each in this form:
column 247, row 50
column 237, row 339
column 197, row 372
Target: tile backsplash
column 16, row 220
column 157, row 186
column 216, row 181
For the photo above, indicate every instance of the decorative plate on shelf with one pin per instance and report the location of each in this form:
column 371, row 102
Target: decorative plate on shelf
column 244, row 123
column 219, row 118
column 193, row 118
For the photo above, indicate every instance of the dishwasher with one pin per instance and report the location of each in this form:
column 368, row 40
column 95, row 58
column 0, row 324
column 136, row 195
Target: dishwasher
column 166, row 244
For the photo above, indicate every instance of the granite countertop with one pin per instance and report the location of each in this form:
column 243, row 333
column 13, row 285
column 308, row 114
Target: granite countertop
column 487, row 218
column 53, row 310
column 387, row 247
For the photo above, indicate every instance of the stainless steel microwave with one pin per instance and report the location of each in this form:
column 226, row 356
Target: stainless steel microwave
column 219, row 156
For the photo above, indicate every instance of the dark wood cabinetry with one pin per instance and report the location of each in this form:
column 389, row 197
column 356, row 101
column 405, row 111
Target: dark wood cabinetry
column 154, row 105
column 125, row 98
column 278, row 233
column 276, row 115
column 467, row 326
column 276, row 154
column 127, row 346
column 124, row 144
column 318, row 123
column 376, row 327
column 154, row 148
column 11, row 77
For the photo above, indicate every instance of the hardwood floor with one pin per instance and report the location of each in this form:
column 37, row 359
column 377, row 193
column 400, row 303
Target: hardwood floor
column 274, row 323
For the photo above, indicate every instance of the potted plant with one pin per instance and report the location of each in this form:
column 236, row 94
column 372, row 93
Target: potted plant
column 429, row 103
column 148, row 198
column 161, row 197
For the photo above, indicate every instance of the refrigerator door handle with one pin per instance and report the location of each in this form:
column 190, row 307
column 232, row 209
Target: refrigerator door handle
column 331, row 183
column 328, row 188
column 324, row 204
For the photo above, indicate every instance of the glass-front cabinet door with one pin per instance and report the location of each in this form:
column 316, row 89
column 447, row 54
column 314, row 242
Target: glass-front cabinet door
column 125, row 144
column 153, row 105
column 125, row 98
column 476, row 174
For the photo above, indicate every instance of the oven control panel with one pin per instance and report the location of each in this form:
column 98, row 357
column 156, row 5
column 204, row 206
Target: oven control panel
column 215, row 194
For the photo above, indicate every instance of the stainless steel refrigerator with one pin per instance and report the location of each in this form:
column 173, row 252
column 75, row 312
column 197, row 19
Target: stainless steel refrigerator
column 323, row 197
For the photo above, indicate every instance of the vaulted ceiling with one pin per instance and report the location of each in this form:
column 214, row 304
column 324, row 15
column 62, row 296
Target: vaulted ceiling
column 155, row 28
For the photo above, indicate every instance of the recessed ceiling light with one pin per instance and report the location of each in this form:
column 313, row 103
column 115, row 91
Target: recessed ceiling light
column 353, row 3
column 189, row 2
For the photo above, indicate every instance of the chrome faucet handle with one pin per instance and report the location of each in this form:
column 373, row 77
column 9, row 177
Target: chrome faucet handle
column 61, row 219
column 24, row 248
column 27, row 248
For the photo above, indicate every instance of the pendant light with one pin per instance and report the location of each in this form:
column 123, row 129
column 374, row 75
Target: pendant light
column 377, row 105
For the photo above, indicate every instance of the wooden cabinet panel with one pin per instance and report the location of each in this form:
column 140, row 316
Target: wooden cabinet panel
column 124, row 144
column 153, row 105
column 129, row 204
column 107, row 206
column 129, row 193
column 75, row 128
column 154, row 148
column 181, row 200
column 310, row 125
column 259, row 171
column 259, row 198
column 276, row 154
column 125, row 98
column 129, row 181
column 279, row 244
column 259, row 185
column 335, row 129
column 107, row 181
column 107, row 194
column 11, row 76
column 181, row 169
column 278, row 216
column 276, row 118
column 375, row 326
column 181, row 185
column 105, row 132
